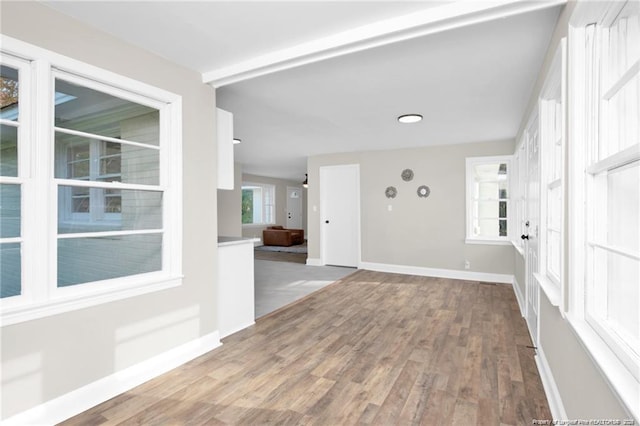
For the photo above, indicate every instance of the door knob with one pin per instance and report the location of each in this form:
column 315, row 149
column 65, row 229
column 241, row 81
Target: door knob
column 326, row 221
column 524, row 237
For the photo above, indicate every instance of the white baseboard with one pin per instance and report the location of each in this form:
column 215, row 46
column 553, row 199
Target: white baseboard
column 550, row 388
column 314, row 261
column 79, row 400
column 236, row 329
column 439, row 273
column 519, row 296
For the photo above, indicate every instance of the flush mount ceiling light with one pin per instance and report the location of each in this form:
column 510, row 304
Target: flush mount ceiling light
column 410, row 118
column 236, row 141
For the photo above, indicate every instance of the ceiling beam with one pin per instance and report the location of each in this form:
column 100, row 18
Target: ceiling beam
column 429, row 21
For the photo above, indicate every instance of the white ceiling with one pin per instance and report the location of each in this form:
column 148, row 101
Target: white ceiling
column 471, row 83
column 208, row 35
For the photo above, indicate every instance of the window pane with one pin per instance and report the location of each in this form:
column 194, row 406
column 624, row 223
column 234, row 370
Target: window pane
column 553, row 253
column 252, row 205
column 110, row 165
column 83, row 260
column 492, row 190
column 9, row 211
column 257, row 203
column 247, row 206
column 621, row 297
column 489, row 228
column 502, row 209
column 622, row 112
column 8, row 151
column 490, row 209
column 88, row 159
column 9, row 96
column 112, row 210
column 554, row 206
column 10, row 270
column 618, row 222
column 502, row 228
column 80, row 204
column 79, row 170
column 623, row 41
column 91, row 111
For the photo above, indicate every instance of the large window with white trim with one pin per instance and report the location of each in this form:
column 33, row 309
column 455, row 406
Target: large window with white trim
column 488, row 191
column 107, row 167
column 14, row 129
column 552, row 130
column 605, row 193
column 90, row 185
column 612, row 172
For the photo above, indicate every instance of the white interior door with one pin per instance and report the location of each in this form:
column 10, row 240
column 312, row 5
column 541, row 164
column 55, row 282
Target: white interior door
column 340, row 215
column 533, row 221
column 294, row 207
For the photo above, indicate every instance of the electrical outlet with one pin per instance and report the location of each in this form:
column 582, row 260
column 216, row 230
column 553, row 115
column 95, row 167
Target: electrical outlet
column 467, row 264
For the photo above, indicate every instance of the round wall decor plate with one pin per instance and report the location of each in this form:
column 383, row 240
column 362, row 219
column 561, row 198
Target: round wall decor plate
column 407, row 175
column 423, row 191
column 391, row 192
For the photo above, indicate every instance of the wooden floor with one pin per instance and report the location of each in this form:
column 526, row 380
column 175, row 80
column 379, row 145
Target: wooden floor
column 375, row 348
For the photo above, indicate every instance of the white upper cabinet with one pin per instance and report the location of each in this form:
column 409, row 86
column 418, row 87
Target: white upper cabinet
column 224, row 121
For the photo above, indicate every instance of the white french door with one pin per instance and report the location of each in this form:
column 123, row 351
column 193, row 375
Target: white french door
column 532, row 225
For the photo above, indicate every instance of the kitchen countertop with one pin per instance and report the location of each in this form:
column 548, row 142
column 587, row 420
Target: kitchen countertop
column 229, row 241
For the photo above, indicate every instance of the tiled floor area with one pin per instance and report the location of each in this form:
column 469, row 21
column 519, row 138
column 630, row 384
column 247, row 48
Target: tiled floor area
column 279, row 283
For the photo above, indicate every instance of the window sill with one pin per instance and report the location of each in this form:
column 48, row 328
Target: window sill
column 619, row 378
column 257, row 225
column 31, row 311
column 519, row 248
column 551, row 289
column 490, row 242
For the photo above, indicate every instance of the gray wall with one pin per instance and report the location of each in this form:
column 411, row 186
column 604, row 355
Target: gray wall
column 585, row 393
column 417, row 232
column 583, row 390
column 229, row 206
column 281, row 203
column 45, row 358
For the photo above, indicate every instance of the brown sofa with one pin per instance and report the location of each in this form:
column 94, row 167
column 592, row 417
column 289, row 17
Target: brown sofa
column 279, row 236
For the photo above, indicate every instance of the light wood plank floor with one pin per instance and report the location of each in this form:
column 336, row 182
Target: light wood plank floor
column 373, row 348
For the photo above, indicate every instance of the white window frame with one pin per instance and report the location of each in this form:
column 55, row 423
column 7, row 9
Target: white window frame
column 619, row 370
column 552, row 145
column 266, row 187
column 40, row 295
column 25, row 152
column 471, row 162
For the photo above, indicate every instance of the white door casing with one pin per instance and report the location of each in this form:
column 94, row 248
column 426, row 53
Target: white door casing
column 294, row 207
column 340, row 215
